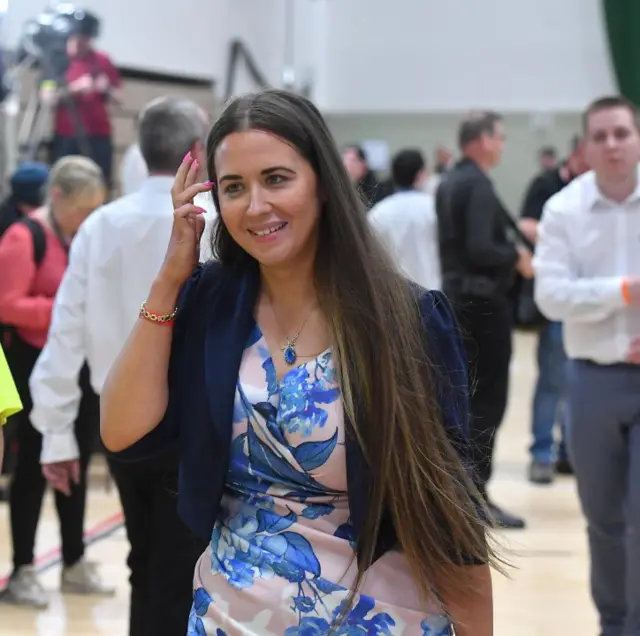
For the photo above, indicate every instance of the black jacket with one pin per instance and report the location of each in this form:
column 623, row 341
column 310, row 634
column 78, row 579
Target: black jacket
column 476, row 252
column 542, row 187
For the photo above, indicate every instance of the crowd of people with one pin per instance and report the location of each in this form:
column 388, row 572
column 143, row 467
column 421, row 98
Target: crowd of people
column 472, row 256
column 317, row 362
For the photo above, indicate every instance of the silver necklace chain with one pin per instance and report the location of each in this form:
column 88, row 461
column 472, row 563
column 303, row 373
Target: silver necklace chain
column 289, row 350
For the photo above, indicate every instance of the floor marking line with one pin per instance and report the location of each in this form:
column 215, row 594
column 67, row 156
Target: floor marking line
column 53, row 556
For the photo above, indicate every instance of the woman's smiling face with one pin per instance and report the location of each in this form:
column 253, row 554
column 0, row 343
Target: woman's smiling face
column 268, row 197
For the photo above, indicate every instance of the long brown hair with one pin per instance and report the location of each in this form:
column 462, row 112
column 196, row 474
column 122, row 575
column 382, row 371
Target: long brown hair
column 386, row 377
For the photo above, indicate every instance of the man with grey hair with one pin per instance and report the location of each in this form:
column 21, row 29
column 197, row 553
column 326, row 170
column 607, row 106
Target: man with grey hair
column 114, row 259
column 134, row 170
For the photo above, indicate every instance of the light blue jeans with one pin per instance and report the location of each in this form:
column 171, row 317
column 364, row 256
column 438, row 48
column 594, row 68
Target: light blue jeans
column 548, row 400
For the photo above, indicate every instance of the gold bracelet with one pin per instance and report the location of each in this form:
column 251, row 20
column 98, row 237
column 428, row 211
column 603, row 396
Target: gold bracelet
column 166, row 319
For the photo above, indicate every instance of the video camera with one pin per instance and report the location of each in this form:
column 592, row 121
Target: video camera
column 45, row 38
column 43, row 48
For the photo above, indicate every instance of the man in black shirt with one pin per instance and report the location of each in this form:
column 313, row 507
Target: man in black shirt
column 545, row 461
column 544, row 185
column 547, row 158
column 479, row 261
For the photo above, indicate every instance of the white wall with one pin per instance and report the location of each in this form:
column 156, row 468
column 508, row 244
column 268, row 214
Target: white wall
column 262, row 25
column 162, row 35
column 374, row 55
column 439, row 55
column 192, row 36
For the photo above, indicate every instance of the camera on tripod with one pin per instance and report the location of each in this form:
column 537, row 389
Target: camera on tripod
column 43, row 48
column 45, row 38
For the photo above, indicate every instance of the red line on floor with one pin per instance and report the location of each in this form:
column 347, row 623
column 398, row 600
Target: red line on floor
column 94, row 533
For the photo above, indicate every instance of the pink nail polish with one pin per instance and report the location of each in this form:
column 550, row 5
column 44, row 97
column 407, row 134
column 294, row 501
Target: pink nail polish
column 186, row 157
column 209, row 184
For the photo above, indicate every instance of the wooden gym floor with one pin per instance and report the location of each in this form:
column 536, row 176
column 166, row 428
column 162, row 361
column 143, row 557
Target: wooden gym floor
column 546, row 595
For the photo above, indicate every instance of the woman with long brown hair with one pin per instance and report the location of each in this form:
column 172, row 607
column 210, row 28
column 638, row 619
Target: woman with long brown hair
column 318, row 398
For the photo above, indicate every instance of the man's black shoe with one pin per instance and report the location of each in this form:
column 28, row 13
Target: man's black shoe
column 504, row 520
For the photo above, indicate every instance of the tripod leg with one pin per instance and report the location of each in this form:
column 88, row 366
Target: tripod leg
column 34, row 124
column 25, row 132
column 43, row 122
column 29, row 148
column 9, row 138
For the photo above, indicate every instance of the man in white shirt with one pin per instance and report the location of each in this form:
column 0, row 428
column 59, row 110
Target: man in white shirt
column 114, row 259
column 406, row 221
column 587, row 275
column 133, row 170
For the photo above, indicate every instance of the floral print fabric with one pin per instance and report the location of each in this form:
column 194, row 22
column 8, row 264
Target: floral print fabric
column 281, row 557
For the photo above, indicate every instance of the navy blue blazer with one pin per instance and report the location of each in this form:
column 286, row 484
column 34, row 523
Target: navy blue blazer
column 215, row 318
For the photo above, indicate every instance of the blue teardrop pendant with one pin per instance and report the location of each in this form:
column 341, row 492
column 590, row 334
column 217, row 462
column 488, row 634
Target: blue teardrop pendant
column 290, row 354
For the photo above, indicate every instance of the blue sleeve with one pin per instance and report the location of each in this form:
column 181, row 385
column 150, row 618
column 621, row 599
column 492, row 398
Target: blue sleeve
column 165, row 436
column 448, row 356
column 450, row 368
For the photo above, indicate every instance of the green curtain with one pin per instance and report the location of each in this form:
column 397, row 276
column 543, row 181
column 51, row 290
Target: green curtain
column 622, row 19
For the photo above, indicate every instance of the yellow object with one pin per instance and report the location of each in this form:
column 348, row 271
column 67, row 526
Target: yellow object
column 9, row 399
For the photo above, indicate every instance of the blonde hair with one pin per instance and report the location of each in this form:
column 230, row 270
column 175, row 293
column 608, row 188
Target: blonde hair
column 74, row 176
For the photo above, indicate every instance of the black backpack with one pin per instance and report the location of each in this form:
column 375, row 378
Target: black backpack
column 39, row 239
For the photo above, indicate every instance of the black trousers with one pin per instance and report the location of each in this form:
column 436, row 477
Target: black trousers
column 28, row 485
column 100, row 150
column 487, row 327
column 163, row 551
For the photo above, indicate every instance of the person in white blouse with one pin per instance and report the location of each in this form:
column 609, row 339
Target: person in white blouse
column 114, row 259
column 406, row 221
column 587, row 275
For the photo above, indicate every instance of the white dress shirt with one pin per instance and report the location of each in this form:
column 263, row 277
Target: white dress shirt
column 113, row 261
column 586, row 246
column 407, row 225
column 133, row 170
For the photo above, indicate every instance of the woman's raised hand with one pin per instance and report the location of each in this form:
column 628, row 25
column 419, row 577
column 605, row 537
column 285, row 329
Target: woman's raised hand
column 183, row 253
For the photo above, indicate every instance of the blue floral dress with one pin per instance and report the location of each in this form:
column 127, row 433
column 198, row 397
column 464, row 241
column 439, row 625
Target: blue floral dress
column 281, row 557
